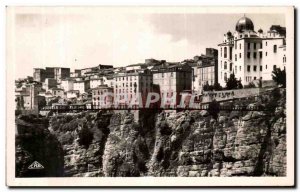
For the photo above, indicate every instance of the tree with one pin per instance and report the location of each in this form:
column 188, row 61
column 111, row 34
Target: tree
column 206, row 87
column 214, row 109
column 240, row 86
column 279, row 76
column 217, row 87
column 232, row 82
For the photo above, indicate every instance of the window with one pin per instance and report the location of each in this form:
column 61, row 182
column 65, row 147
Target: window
column 254, row 46
column 240, row 68
column 266, row 53
column 230, row 53
column 235, row 47
column 266, row 43
column 171, row 74
column 230, row 66
column 275, row 48
column 254, row 55
column 162, row 75
column 225, row 65
column 225, row 76
column 221, row 64
column 254, row 78
column 274, row 67
column 240, row 46
column 261, row 45
column 266, row 66
column 248, row 68
column 235, row 68
column 254, row 68
column 248, row 45
column 248, row 55
column 260, row 68
column 225, row 52
column 260, row 54
column 240, row 55
column 235, row 57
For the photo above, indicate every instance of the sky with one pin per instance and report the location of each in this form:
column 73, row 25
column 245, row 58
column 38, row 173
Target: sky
column 88, row 38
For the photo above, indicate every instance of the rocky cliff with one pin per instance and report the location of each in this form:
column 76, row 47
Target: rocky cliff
column 34, row 142
column 187, row 143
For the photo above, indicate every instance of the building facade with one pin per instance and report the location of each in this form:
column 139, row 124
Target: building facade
column 205, row 72
column 49, row 83
column 172, row 78
column 95, row 82
column 82, row 86
column 102, row 96
column 67, row 84
column 129, row 83
column 251, row 55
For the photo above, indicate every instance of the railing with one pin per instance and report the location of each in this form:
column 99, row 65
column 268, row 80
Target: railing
column 65, row 108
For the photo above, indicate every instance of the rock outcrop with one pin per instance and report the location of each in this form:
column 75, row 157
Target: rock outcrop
column 34, row 142
column 186, row 143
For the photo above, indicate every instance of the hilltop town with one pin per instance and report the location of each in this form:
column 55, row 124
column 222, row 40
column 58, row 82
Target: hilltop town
column 245, row 59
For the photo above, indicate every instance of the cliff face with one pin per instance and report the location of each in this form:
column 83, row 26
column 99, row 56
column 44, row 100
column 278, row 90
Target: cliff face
column 236, row 144
column 189, row 144
column 34, row 142
column 83, row 137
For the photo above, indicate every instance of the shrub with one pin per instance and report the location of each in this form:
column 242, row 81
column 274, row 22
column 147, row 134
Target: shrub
column 85, row 136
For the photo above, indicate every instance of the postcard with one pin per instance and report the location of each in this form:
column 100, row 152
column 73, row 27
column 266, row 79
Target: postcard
column 150, row 96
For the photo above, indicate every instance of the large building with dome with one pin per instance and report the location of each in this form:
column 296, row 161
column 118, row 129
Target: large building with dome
column 251, row 55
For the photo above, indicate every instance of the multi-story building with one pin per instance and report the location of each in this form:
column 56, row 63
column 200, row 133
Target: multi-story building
column 39, row 74
column 205, row 72
column 72, row 94
column 129, row 83
column 102, row 67
column 82, row 86
column 49, row 83
column 172, row 78
column 95, row 82
column 57, row 92
column 29, row 97
column 102, row 96
column 67, row 84
column 251, row 55
column 57, row 73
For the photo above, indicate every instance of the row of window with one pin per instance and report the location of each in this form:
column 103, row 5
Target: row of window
column 248, row 69
column 254, row 45
column 249, row 46
column 134, row 84
column 254, row 68
column 172, row 75
column 255, row 54
column 130, row 78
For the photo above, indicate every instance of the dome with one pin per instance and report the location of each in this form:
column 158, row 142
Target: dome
column 229, row 34
column 244, row 24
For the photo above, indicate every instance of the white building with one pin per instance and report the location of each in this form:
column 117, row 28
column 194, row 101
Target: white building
column 72, row 94
column 251, row 55
column 57, row 92
column 67, row 84
column 82, row 86
column 130, row 83
column 95, row 82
